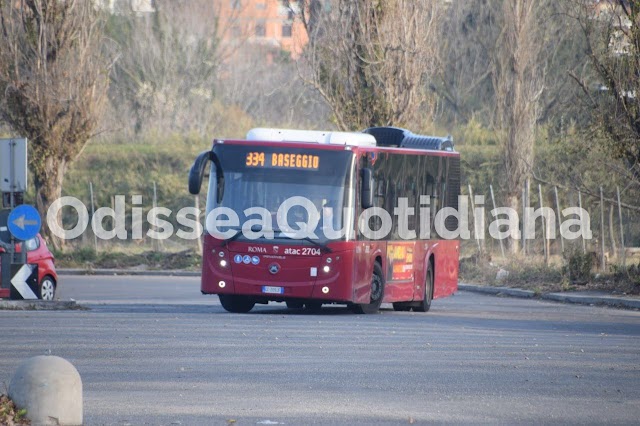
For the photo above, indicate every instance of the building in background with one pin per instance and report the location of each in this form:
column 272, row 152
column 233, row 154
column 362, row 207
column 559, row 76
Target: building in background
column 266, row 23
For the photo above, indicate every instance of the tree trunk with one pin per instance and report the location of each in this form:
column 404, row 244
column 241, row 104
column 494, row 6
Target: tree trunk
column 614, row 248
column 48, row 182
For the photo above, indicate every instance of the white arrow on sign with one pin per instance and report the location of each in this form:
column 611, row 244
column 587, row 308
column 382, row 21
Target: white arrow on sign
column 21, row 223
column 19, row 281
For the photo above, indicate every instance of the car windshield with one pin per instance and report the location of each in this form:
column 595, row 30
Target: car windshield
column 268, row 177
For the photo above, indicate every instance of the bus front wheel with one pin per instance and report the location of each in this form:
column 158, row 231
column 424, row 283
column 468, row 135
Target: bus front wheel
column 377, row 293
column 236, row 304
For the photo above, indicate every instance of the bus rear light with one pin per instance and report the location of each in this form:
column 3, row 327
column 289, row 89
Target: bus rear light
column 222, row 284
column 325, row 290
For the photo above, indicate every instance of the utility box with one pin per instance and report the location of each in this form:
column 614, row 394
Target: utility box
column 13, row 165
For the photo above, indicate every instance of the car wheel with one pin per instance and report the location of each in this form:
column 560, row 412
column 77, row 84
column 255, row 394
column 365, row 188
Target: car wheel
column 377, row 293
column 47, row 288
column 236, row 304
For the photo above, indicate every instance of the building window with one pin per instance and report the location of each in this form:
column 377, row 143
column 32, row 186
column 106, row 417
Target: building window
column 260, row 29
column 286, row 30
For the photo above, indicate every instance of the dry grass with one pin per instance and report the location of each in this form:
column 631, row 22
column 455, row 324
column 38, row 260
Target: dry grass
column 10, row 415
column 531, row 273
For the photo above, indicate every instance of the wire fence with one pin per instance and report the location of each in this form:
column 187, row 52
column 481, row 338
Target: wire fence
column 614, row 239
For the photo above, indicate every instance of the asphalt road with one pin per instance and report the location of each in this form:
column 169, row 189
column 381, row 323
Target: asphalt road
column 152, row 350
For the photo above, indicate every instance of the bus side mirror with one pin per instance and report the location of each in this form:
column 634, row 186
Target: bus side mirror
column 196, row 174
column 367, row 188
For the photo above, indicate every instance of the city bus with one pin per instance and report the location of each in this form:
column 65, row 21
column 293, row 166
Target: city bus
column 334, row 243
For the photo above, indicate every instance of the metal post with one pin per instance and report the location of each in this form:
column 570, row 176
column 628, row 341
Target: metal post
column 93, row 212
column 156, row 242
column 544, row 228
column 603, row 264
column 559, row 218
column 473, row 215
column 494, row 207
column 624, row 250
column 12, row 188
column 584, row 243
column 524, row 219
column 526, row 242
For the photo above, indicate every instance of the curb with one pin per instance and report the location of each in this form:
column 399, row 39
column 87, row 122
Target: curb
column 502, row 291
column 175, row 273
column 617, row 302
column 38, row 305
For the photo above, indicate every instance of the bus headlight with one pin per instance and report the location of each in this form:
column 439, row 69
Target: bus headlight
column 326, row 268
column 223, row 263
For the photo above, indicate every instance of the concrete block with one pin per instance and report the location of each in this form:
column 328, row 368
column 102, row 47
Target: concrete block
column 50, row 389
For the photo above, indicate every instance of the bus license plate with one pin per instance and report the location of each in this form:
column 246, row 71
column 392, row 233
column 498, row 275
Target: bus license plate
column 272, row 290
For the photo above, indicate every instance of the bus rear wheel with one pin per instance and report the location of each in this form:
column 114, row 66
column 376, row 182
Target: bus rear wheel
column 425, row 304
column 377, row 293
column 236, row 304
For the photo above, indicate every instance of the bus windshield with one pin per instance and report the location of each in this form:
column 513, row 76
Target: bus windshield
column 266, row 176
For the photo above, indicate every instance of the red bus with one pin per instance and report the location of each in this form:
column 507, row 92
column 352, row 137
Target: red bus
column 251, row 260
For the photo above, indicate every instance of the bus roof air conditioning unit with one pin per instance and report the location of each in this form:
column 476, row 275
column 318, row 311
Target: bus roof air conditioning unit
column 402, row 138
column 311, row 136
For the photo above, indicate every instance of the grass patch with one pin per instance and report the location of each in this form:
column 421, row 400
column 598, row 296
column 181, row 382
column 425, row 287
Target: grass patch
column 149, row 260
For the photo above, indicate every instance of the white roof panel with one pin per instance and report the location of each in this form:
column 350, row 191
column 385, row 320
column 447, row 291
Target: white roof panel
column 313, row 136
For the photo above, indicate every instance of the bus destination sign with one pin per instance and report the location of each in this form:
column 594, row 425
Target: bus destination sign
column 282, row 161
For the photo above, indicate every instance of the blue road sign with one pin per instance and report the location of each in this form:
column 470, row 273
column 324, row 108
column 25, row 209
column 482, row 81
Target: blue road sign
column 24, row 222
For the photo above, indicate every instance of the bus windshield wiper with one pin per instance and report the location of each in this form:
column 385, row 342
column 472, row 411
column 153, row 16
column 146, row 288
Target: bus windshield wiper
column 322, row 246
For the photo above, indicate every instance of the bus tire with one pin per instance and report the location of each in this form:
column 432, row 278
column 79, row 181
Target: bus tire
column 377, row 293
column 425, row 304
column 236, row 304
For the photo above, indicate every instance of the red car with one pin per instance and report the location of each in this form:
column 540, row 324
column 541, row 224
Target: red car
column 39, row 254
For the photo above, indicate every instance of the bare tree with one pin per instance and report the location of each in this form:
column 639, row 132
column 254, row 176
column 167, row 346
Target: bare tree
column 53, row 83
column 164, row 79
column 518, row 73
column 611, row 90
column 467, row 46
column 271, row 91
column 372, row 60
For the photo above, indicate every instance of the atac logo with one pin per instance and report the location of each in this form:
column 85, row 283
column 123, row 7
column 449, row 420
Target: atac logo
column 257, row 250
column 276, row 249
